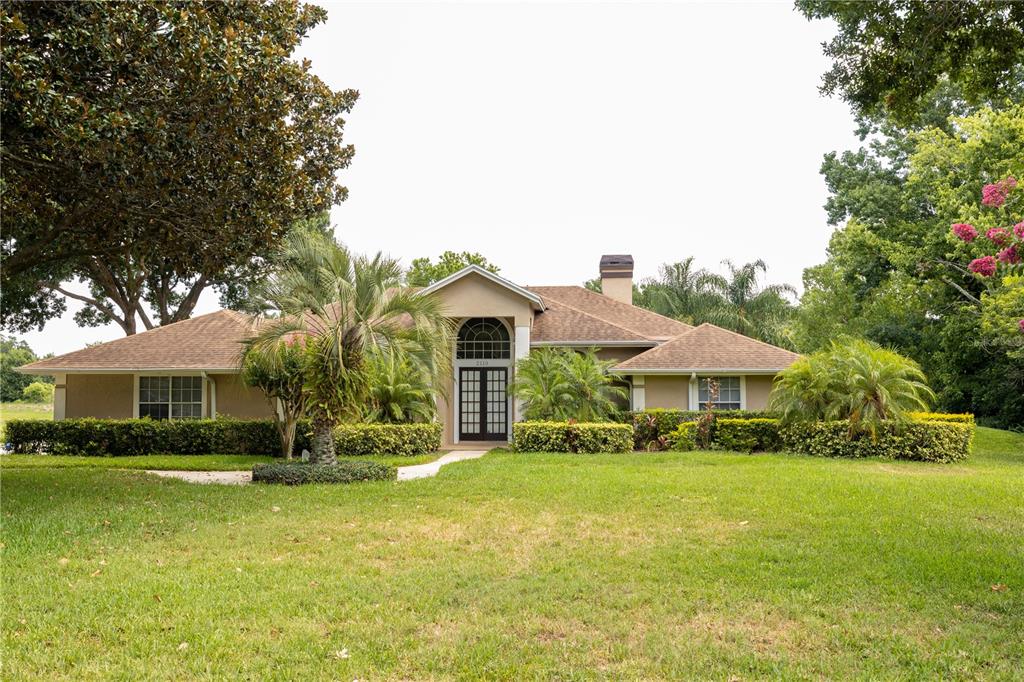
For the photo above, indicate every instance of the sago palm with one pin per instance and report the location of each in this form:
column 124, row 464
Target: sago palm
column 400, row 391
column 342, row 307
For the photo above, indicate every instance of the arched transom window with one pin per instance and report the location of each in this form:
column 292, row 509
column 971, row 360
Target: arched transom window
column 483, row 338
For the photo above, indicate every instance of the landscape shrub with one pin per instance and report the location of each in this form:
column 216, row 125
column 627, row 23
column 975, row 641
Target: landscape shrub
column 942, row 417
column 582, row 437
column 683, row 439
column 127, row 437
column 655, row 423
column 38, row 392
column 297, row 473
column 927, row 441
column 387, row 439
column 748, row 435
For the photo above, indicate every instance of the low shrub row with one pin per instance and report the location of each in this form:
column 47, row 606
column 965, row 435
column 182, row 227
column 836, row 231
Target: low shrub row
column 297, row 473
column 928, row 440
column 653, row 428
column 126, row 437
column 571, row 437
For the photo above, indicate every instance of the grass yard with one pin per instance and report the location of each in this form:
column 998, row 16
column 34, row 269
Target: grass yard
column 707, row 565
column 174, row 462
column 10, row 411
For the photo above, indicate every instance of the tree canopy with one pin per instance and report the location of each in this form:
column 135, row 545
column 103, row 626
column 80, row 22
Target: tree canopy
column 890, row 56
column 155, row 149
column 15, row 353
column 424, row 272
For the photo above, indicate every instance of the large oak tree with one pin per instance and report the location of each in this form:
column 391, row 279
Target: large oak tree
column 155, row 149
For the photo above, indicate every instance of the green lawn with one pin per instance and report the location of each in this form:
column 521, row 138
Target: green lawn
column 10, row 411
column 175, row 462
column 699, row 565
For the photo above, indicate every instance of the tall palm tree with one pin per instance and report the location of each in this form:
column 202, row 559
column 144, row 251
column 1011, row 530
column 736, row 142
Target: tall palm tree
column 744, row 306
column 681, row 291
column 342, row 307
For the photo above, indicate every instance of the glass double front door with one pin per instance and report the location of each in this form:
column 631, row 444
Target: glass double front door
column 483, row 403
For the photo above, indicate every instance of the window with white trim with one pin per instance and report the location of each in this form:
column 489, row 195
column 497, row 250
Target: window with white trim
column 171, row 397
column 728, row 393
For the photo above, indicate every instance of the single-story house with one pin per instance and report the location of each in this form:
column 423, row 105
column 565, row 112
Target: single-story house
column 189, row 369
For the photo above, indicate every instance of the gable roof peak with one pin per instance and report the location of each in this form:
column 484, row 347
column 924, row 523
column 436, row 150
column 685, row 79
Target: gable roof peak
column 472, row 268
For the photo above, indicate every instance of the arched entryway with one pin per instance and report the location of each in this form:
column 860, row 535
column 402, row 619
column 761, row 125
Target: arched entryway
column 483, row 357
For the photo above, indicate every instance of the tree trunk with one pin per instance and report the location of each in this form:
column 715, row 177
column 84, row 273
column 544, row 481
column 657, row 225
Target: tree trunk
column 323, row 443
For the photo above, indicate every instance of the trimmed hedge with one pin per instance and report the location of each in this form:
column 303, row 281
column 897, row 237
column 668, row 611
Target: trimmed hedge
column 942, row 417
column 571, row 437
column 926, row 441
column 660, row 423
column 387, row 439
column 748, row 435
column 683, row 438
column 297, row 473
column 126, row 437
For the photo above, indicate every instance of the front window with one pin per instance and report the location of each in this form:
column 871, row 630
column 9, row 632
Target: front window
column 171, row 397
column 728, row 393
column 483, row 338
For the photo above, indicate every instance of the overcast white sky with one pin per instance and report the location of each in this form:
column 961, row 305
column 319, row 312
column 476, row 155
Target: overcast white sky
column 545, row 135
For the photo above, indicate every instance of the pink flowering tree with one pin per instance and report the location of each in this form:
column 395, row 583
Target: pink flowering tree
column 997, row 255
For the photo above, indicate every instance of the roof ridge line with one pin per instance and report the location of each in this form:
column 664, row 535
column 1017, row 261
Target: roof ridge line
column 748, row 338
column 601, row 319
column 630, row 305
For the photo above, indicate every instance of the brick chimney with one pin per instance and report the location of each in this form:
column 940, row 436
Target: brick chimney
column 617, row 277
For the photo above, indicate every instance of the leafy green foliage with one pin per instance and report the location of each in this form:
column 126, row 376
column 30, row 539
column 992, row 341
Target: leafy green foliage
column 853, row 380
column 748, row 435
column 298, row 473
column 561, row 436
column 342, row 309
column 736, row 301
column 684, row 437
column 896, row 276
column 926, row 441
column 38, row 392
column 560, row 384
column 15, row 353
column 387, row 439
column 129, row 437
column 656, row 425
column 400, row 391
column 888, row 57
column 279, row 374
column 423, row 272
column 153, row 150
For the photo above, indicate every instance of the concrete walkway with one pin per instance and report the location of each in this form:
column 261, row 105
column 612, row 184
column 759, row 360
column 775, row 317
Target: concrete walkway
column 431, row 468
column 242, row 477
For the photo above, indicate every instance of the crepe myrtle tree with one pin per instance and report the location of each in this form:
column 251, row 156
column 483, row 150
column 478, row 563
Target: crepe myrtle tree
column 277, row 371
column 999, row 252
column 341, row 308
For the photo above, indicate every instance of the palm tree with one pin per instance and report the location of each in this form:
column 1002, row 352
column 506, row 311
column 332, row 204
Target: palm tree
column 681, row 291
column 854, row 380
column 400, row 392
column 745, row 307
column 342, row 307
column 541, row 383
column 561, row 384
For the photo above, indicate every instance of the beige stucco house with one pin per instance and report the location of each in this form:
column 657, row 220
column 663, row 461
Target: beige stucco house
column 189, row 369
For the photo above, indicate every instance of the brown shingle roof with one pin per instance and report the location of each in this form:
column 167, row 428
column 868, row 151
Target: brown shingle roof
column 637, row 321
column 708, row 347
column 210, row 341
column 560, row 323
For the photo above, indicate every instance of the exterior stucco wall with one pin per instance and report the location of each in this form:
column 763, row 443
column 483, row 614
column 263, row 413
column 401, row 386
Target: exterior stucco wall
column 475, row 296
column 235, row 399
column 672, row 392
column 104, row 396
column 758, row 388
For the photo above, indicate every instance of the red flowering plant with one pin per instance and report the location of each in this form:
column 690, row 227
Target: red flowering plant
column 1001, row 250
